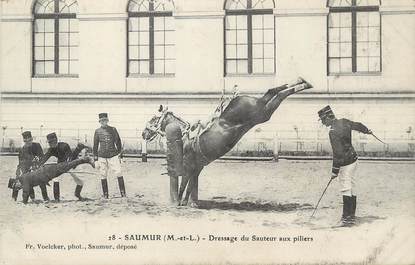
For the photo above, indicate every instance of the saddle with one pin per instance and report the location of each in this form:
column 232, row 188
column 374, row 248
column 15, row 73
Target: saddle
column 198, row 128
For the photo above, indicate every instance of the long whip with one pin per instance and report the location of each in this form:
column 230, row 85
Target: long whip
column 377, row 138
column 315, row 209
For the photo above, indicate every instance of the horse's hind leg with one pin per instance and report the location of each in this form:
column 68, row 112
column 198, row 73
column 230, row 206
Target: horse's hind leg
column 274, row 91
column 188, row 191
column 183, row 184
column 195, row 185
column 273, row 104
column 271, row 93
column 193, row 188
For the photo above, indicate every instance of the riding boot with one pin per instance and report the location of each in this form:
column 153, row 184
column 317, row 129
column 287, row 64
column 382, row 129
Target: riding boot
column 353, row 211
column 104, row 184
column 15, row 193
column 347, row 208
column 44, row 192
column 56, row 191
column 78, row 190
column 121, row 186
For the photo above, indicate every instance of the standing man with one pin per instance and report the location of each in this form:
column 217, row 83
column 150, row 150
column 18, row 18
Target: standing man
column 29, row 158
column 63, row 153
column 344, row 158
column 107, row 153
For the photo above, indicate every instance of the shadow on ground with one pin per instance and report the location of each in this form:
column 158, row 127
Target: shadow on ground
column 252, row 206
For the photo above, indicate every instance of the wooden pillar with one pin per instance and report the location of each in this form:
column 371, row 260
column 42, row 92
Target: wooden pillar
column 276, row 147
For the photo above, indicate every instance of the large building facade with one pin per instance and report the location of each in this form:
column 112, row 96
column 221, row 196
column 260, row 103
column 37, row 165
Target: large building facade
column 64, row 61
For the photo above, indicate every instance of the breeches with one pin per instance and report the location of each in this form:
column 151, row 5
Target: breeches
column 347, row 177
column 104, row 165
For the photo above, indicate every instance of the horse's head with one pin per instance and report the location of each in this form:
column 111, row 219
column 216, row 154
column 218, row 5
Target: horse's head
column 158, row 123
column 153, row 126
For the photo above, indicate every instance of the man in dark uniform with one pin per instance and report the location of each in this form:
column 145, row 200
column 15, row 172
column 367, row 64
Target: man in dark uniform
column 107, row 153
column 344, row 158
column 29, row 158
column 44, row 174
column 63, row 153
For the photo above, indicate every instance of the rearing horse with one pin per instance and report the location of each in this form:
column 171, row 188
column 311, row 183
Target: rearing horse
column 220, row 136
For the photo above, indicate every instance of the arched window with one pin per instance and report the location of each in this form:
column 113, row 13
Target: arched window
column 150, row 37
column 354, row 37
column 249, row 37
column 55, row 37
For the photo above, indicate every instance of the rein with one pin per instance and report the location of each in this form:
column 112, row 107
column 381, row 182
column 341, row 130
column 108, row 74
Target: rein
column 157, row 127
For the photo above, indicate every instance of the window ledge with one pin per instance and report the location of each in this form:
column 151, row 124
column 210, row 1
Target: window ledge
column 250, row 75
column 56, row 76
column 150, row 76
column 356, row 74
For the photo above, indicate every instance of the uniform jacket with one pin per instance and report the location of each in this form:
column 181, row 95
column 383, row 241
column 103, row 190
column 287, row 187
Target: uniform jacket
column 62, row 152
column 28, row 156
column 341, row 142
column 107, row 142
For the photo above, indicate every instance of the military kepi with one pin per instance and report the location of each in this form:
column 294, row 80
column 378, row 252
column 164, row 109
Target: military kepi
column 326, row 112
column 27, row 136
column 51, row 137
column 103, row 116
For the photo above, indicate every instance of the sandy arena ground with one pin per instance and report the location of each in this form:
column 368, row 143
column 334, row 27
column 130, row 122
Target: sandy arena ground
column 237, row 198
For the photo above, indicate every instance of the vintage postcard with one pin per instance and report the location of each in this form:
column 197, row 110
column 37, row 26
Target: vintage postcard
column 207, row 132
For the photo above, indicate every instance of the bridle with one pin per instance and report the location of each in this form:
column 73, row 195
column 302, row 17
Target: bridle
column 156, row 129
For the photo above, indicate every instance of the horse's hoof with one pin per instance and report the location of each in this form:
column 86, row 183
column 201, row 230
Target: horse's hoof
column 308, row 85
column 174, row 203
column 303, row 81
column 302, row 87
column 300, row 80
column 183, row 203
column 194, row 205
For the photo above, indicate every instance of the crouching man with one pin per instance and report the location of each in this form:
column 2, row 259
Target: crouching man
column 44, row 174
column 29, row 158
column 344, row 158
column 63, row 153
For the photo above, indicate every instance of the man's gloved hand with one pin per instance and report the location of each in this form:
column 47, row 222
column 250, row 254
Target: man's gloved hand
column 95, row 158
column 334, row 175
column 369, row 131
